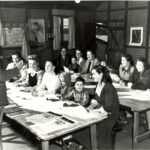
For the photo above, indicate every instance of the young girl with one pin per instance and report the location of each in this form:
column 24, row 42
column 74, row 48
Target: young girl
column 79, row 95
column 74, row 67
column 65, row 79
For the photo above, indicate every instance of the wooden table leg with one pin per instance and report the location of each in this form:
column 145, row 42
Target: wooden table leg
column 136, row 126
column 45, row 145
column 93, row 137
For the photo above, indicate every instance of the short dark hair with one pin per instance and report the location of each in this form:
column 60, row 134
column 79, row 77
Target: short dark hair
column 142, row 59
column 80, row 79
column 102, row 69
column 129, row 58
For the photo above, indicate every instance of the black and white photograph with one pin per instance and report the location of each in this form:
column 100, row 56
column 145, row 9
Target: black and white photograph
column 74, row 75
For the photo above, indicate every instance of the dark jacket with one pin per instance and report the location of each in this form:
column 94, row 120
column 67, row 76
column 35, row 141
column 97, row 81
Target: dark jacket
column 75, row 67
column 63, row 62
column 141, row 81
column 4, row 76
column 108, row 99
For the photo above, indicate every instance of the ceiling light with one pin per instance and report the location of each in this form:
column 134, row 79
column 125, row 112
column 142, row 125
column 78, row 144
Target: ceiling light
column 77, row 1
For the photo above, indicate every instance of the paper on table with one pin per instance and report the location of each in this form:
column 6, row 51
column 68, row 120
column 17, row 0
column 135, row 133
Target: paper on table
column 51, row 96
column 44, row 117
column 66, row 69
column 51, row 126
column 136, row 95
column 80, row 112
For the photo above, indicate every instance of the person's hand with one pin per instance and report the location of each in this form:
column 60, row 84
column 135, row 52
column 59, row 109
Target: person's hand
column 122, row 83
column 34, row 93
column 17, row 84
column 19, row 65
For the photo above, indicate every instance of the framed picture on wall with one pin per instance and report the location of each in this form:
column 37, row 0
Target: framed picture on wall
column 136, row 36
column 37, row 31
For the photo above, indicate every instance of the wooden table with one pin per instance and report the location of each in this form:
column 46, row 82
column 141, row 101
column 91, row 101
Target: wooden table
column 139, row 102
column 80, row 123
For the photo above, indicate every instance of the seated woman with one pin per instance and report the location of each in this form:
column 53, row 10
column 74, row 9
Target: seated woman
column 15, row 59
column 74, row 67
column 65, row 88
column 105, row 101
column 79, row 94
column 114, row 76
column 141, row 76
column 50, row 82
column 34, row 74
column 126, row 69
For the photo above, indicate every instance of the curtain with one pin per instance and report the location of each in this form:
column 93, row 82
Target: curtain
column 71, row 41
column 25, row 45
column 1, row 35
column 56, row 32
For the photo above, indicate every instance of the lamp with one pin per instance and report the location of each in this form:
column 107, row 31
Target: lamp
column 77, row 1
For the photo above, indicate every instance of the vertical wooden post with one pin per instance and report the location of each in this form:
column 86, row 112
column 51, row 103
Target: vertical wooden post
column 45, row 145
column 93, row 137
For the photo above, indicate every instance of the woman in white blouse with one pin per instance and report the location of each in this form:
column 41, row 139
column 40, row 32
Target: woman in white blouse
column 50, row 82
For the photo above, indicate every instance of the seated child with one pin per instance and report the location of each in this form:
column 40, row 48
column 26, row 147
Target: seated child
column 74, row 67
column 79, row 95
column 65, row 88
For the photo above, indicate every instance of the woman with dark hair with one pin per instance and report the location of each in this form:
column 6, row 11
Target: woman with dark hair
column 126, row 69
column 105, row 101
column 141, row 76
column 15, row 56
column 50, row 82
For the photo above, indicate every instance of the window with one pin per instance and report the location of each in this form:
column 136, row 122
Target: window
column 65, row 30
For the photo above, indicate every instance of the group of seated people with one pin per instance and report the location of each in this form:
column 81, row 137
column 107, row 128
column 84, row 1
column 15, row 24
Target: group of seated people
column 56, row 79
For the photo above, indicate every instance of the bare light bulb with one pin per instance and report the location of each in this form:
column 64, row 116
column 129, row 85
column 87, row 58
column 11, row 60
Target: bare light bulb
column 77, row 1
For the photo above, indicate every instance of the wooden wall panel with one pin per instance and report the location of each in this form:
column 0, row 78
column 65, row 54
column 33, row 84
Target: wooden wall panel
column 149, row 55
column 12, row 16
column 117, row 15
column 132, row 4
column 136, row 52
column 117, row 5
column 137, row 18
column 103, row 6
column 101, row 16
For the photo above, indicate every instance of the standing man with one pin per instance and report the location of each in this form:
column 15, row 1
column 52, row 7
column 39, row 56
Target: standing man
column 4, row 76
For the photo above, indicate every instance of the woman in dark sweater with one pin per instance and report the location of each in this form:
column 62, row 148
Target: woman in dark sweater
column 105, row 101
column 141, row 76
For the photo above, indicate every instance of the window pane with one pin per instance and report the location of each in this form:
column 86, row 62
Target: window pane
column 65, row 23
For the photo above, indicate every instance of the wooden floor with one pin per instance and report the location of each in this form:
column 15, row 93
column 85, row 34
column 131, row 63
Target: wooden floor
column 12, row 140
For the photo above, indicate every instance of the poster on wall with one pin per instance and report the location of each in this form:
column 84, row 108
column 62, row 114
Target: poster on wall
column 136, row 36
column 13, row 36
column 36, row 31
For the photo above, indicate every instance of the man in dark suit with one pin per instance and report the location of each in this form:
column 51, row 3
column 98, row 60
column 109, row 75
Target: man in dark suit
column 63, row 60
column 4, row 76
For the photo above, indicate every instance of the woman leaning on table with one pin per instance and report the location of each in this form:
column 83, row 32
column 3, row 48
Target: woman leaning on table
column 126, row 69
column 4, row 76
column 141, row 76
column 141, row 79
column 105, row 101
